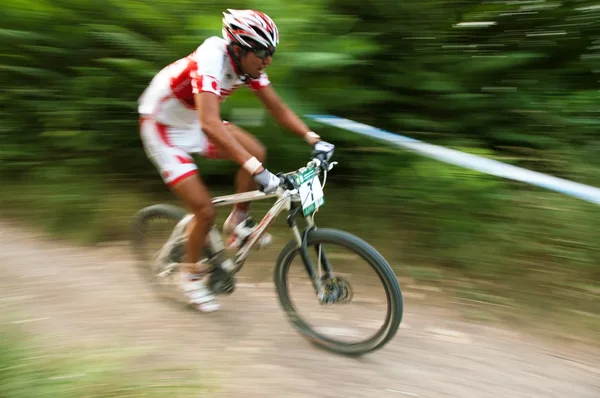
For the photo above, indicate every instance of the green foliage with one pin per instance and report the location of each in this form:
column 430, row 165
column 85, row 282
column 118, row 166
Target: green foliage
column 72, row 72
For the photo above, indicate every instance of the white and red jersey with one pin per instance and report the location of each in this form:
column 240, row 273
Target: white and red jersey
column 169, row 98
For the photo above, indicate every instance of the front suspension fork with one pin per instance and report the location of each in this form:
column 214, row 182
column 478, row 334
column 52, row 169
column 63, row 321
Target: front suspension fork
column 301, row 240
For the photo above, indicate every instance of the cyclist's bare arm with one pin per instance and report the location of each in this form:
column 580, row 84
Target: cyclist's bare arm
column 283, row 114
column 208, row 107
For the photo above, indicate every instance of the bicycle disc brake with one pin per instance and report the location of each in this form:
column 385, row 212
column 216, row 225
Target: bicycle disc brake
column 336, row 290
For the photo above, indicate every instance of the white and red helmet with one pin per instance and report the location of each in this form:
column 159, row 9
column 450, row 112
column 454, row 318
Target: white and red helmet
column 242, row 25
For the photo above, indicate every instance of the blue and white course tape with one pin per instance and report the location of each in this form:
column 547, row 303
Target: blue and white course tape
column 466, row 160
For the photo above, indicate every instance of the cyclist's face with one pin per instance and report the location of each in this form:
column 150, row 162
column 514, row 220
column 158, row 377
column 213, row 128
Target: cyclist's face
column 254, row 65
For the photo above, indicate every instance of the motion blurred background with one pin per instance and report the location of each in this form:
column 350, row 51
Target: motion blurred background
column 515, row 81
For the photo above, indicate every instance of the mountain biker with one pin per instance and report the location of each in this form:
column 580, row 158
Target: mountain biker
column 180, row 116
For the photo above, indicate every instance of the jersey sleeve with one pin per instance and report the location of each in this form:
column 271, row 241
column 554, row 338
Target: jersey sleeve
column 257, row 84
column 208, row 71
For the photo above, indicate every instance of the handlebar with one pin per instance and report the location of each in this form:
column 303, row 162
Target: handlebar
column 318, row 162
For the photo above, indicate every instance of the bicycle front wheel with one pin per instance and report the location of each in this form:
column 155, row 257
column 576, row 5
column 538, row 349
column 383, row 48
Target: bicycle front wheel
column 361, row 307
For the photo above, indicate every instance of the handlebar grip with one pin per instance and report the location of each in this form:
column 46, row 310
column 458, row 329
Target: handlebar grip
column 322, row 157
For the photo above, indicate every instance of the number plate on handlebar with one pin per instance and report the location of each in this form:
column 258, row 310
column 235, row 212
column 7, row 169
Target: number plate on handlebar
column 311, row 191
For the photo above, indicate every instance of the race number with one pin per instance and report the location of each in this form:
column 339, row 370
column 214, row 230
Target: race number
column 311, row 194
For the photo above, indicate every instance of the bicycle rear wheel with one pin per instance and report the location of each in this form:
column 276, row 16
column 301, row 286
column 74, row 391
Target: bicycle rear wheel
column 151, row 228
column 356, row 270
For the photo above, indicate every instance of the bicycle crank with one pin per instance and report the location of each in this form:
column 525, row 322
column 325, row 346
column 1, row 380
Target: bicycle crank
column 220, row 281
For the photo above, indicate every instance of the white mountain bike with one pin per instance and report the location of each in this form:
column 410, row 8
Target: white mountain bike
column 325, row 272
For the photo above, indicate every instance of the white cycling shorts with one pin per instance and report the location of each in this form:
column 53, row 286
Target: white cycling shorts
column 170, row 148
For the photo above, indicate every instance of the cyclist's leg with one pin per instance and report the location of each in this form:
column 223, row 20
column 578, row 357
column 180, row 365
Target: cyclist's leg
column 195, row 195
column 243, row 180
column 180, row 173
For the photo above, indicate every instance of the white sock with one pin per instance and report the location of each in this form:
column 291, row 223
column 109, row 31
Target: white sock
column 240, row 215
column 236, row 217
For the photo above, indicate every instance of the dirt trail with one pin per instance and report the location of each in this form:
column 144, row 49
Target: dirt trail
column 95, row 296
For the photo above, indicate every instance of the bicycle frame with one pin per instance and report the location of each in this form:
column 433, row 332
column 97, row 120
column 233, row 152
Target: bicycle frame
column 288, row 200
column 284, row 201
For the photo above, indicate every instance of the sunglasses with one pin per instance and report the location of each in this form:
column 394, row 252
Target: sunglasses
column 263, row 52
